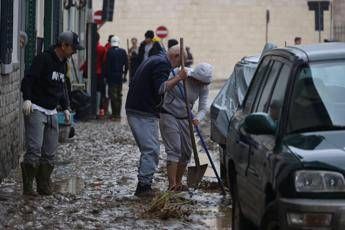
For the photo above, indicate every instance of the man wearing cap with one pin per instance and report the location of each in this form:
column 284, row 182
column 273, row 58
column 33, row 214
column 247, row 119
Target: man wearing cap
column 43, row 88
column 144, row 100
column 116, row 68
column 173, row 121
column 149, row 46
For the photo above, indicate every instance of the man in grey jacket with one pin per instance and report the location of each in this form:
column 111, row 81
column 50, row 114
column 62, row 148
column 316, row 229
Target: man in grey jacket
column 173, row 121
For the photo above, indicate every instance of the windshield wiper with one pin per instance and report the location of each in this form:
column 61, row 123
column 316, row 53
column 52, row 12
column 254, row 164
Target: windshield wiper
column 320, row 128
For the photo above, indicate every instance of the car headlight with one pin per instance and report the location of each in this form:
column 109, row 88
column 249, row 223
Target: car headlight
column 319, row 181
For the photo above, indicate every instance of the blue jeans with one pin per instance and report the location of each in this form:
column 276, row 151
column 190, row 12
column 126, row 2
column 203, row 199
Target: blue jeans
column 145, row 132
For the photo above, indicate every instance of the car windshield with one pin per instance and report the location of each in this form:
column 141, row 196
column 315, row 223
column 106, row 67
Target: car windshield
column 318, row 99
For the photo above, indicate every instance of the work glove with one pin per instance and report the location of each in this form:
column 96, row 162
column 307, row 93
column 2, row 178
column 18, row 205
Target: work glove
column 27, row 107
column 67, row 116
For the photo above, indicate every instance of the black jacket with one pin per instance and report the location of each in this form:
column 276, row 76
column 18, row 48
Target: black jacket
column 155, row 49
column 143, row 95
column 44, row 83
column 116, row 66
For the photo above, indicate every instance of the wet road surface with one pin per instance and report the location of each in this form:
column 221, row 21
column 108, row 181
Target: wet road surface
column 94, row 181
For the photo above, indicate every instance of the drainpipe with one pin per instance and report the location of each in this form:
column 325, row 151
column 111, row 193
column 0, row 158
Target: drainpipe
column 91, row 29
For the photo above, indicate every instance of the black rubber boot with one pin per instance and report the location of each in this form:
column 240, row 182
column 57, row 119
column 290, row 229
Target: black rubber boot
column 144, row 190
column 44, row 184
column 29, row 173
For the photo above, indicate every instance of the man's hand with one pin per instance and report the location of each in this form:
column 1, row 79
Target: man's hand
column 27, row 107
column 67, row 116
column 196, row 122
column 183, row 74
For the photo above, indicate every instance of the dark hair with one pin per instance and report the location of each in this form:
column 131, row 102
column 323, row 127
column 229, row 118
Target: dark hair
column 109, row 37
column 97, row 37
column 149, row 34
column 172, row 42
column 297, row 38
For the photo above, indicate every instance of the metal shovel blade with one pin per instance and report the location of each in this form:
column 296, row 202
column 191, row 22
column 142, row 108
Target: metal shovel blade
column 195, row 174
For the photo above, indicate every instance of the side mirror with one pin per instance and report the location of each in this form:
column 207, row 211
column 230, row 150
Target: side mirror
column 259, row 124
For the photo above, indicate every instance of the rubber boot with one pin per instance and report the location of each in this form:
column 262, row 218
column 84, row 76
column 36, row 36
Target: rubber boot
column 144, row 190
column 44, row 184
column 29, row 173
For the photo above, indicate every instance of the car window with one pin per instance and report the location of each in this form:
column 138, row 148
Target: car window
column 319, row 94
column 262, row 102
column 277, row 99
column 255, row 84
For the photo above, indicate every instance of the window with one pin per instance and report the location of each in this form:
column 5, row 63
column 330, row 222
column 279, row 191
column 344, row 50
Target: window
column 277, row 100
column 263, row 100
column 9, row 27
column 255, row 84
column 318, row 93
column 6, row 35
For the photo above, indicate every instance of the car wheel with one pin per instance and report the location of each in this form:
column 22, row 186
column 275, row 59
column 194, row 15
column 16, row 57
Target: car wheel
column 270, row 220
column 239, row 222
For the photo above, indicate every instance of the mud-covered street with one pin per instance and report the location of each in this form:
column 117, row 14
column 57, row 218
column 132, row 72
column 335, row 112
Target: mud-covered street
column 94, row 181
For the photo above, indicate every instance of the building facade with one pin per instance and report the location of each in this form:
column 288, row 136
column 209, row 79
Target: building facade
column 220, row 32
column 27, row 28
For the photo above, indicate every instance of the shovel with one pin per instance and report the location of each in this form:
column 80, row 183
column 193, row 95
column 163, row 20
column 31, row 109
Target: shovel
column 195, row 173
column 220, row 182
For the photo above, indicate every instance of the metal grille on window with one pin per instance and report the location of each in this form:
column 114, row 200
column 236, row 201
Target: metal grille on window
column 6, row 28
column 30, row 49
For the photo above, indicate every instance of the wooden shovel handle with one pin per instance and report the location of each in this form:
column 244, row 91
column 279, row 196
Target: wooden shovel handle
column 191, row 130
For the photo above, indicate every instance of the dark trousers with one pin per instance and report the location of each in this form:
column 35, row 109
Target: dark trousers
column 101, row 89
column 115, row 94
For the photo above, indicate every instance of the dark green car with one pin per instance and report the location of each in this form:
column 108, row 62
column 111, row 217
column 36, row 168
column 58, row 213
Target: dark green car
column 285, row 148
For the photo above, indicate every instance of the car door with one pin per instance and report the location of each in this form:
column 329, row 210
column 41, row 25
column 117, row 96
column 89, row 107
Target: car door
column 270, row 101
column 237, row 144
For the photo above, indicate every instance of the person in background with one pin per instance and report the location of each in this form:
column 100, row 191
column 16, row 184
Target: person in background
column 298, row 41
column 133, row 58
column 144, row 99
column 43, row 88
column 107, row 46
column 148, row 47
column 100, row 51
column 174, row 124
column 172, row 42
column 189, row 58
column 116, row 69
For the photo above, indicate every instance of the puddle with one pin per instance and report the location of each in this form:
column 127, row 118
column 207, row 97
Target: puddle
column 72, row 185
column 222, row 220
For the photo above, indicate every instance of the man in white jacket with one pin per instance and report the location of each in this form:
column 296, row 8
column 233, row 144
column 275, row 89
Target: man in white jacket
column 174, row 120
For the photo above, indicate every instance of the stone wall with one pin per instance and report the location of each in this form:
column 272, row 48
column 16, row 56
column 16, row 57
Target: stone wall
column 10, row 134
column 339, row 12
column 220, row 32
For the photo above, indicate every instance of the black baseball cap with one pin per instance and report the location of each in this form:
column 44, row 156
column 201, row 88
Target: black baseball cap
column 70, row 38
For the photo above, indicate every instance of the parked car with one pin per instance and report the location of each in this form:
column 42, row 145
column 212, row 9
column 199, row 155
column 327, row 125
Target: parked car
column 230, row 97
column 285, row 146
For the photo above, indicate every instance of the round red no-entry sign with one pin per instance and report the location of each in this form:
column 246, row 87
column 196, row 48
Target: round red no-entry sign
column 162, row 32
column 97, row 17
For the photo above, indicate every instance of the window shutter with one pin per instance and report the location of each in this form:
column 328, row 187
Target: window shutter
column 6, row 35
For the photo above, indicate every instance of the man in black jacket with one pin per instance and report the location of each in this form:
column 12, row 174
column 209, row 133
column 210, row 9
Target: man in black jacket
column 148, row 47
column 43, row 88
column 144, row 99
column 116, row 68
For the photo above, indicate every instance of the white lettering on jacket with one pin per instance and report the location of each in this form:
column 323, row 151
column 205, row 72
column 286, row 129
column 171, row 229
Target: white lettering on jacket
column 58, row 77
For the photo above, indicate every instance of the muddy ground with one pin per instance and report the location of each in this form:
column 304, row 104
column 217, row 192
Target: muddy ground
column 94, row 181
